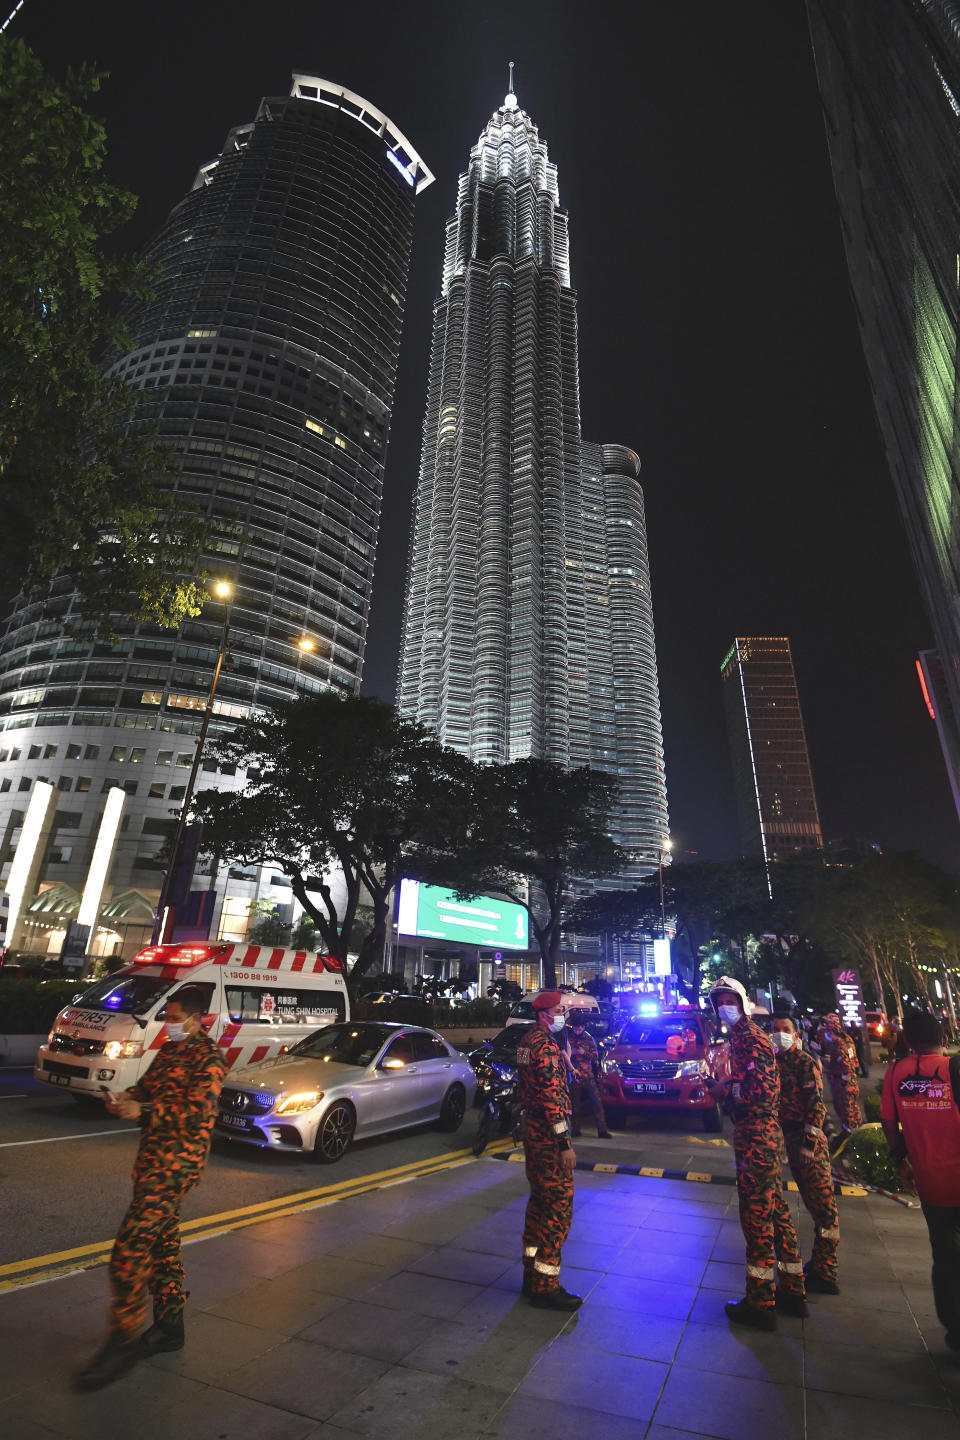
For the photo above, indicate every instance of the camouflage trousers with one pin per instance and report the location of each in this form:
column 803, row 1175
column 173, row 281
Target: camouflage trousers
column 549, row 1211
column 146, row 1254
column 815, row 1183
column 773, row 1253
column 585, row 1085
column 845, row 1093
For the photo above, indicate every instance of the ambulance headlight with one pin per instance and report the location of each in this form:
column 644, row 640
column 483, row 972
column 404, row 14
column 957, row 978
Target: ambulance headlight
column 296, row 1104
column 122, row 1049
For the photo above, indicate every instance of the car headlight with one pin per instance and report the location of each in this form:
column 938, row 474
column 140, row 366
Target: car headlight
column 296, row 1104
column 122, row 1049
column 610, row 1067
column 690, row 1067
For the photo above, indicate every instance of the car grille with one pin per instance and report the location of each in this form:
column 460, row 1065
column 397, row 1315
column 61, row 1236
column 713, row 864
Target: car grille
column 77, row 1047
column 53, row 1067
column 649, row 1069
column 246, row 1102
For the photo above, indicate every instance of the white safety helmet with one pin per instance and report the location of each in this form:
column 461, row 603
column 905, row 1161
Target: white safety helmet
column 726, row 982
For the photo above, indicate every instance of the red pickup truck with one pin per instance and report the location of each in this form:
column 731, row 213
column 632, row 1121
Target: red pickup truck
column 662, row 1064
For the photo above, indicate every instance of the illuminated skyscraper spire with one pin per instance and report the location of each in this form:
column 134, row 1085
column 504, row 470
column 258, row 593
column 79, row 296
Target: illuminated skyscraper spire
column 496, row 654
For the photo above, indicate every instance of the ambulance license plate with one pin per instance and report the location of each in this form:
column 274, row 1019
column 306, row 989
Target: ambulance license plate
column 59, row 1079
column 236, row 1122
column 650, row 1087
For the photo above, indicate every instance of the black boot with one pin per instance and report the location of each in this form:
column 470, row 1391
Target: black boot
column 741, row 1312
column 166, row 1333
column 556, row 1299
column 115, row 1359
column 792, row 1304
column 819, row 1284
column 527, row 1286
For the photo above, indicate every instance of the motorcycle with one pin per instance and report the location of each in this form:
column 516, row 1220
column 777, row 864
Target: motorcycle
column 500, row 1114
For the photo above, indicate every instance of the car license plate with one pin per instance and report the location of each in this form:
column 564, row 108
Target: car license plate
column 649, row 1087
column 59, row 1079
column 236, row 1122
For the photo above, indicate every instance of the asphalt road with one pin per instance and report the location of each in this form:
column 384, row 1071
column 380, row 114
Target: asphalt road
column 65, row 1169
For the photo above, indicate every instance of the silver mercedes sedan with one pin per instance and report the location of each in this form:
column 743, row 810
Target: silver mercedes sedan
column 354, row 1079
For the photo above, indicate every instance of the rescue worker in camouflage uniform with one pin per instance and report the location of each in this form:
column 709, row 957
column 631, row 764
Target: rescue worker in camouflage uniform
column 840, row 1059
column 751, row 1097
column 176, row 1101
column 585, row 1058
column 550, row 1159
column 802, row 1116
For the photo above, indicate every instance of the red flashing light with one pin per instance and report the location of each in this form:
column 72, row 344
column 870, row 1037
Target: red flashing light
column 926, row 694
column 176, row 954
column 334, row 964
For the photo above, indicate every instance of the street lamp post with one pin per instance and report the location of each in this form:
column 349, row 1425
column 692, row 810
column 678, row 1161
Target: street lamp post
column 665, row 849
column 223, row 592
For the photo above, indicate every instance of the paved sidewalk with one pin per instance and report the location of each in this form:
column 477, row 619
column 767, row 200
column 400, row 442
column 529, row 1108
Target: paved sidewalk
column 397, row 1314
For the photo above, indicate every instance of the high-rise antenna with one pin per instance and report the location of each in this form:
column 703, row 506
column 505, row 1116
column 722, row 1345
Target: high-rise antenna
column 510, row 86
column 510, row 103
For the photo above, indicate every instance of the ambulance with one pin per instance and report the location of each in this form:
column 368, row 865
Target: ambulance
column 258, row 1001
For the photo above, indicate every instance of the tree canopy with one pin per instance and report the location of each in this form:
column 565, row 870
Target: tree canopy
column 338, row 786
column 533, row 830
column 80, row 480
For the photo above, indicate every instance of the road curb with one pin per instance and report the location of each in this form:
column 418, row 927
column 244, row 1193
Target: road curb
column 657, row 1172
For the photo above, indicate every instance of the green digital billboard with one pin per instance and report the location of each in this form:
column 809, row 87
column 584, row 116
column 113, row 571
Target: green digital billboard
column 436, row 914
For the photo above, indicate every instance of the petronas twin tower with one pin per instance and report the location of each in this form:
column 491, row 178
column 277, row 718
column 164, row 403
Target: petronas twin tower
column 528, row 624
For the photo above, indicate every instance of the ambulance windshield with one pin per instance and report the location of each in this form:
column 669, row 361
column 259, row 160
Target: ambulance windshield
column 124, row 994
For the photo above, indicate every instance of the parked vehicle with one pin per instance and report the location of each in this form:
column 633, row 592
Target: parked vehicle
column 523, row 1012
column 259, row 1000
column 661, row 1064
column 497, row 1090
column 357, row 1079
column 875, row 1020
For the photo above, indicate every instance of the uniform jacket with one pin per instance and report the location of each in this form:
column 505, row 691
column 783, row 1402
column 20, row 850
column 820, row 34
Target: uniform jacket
column 179, row 1094
column 840, row 1053
column 584, row 1053
column 544, row 1093
column 801, row 1091
column 755, row 1079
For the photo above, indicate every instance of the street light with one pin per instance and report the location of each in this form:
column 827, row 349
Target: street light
column 665, row 849
column 223, row 591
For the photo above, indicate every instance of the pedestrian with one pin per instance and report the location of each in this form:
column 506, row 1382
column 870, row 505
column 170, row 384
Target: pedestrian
column 550, row 1158
column 840, row 1061
column 802, row 1116
column 921, row 1120
column 176, row 1102
column 751, row 1097
column 855, row 1032
column 891, row 1037
column 585, row 1059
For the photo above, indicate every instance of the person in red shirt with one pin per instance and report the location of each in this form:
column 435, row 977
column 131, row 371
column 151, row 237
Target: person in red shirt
column 920, row 1116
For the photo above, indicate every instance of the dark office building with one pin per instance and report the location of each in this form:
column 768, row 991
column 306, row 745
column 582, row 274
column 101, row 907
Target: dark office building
column 266, row 360
column 776, row 804
column 889, row 73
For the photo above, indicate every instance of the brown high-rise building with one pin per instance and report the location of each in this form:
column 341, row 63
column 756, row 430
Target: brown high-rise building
column 776, row 804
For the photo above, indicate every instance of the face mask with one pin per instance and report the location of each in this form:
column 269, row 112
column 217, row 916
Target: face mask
column 557, row 1022
column 783, row 1038
column 729, row 1014
column 176, row 1032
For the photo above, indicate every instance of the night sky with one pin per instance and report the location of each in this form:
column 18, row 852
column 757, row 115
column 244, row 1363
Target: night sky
column 717, row 335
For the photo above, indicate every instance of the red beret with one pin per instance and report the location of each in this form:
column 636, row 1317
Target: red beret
column 547, row 1000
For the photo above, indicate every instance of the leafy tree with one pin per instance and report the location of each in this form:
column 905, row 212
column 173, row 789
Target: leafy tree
column 600, row 988
column 266, row 927
column 81, row 484
column 347, row 789
column 534, row 828
column 705, row 900
column 504, row 992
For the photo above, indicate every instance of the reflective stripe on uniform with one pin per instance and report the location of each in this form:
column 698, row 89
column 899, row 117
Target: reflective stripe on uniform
column 542, row 1269
column 529, row 1251
column 789, row 1269
column 828, row 1234
column 560, row 1129
column 759, row 1272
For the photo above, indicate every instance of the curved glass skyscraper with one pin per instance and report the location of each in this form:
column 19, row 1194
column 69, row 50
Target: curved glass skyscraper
column 266, row 359
column 528, row 627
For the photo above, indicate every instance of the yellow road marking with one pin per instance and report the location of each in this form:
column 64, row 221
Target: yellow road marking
column 698, row 1176
column 86, row 1256
column 650, row 1170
